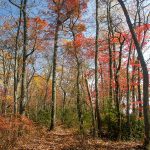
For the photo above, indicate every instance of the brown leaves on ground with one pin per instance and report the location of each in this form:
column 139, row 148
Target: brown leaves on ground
column 68, row 139
column 12, row 128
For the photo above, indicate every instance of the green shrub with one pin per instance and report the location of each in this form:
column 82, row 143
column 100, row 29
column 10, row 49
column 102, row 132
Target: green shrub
column 68, row 117
column 110, row 126
column 42, row 117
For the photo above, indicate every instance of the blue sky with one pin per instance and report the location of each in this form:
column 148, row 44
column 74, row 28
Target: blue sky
column 7, row 11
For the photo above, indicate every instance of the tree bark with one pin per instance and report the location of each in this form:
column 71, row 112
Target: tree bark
column 128, row 91
column 117, row 88
column 23, row 98
column 46, row 88
column 98, row 117
column 16, row 65
column 110, row 50
column 139, row 93
column 133, row 86
column 79, row 105
column 53, row 100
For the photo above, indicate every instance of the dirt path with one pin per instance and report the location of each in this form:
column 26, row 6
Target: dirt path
column 65, row 139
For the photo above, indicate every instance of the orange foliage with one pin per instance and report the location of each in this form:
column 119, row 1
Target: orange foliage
column 4, row 124
column 41, row 24
column 78, row 40
column 37, row 23
column 80, row 27
column 7, row 26
column 14, row 123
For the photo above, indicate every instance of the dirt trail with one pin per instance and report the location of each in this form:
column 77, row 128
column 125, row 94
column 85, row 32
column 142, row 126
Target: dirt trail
column 65, row 139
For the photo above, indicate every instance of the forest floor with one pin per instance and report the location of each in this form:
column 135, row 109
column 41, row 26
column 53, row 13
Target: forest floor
column 68, row 139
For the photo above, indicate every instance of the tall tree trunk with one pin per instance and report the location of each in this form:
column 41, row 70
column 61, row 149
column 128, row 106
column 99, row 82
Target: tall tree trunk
column 128, row 91
column 53, row 100
column 109, row 103
column 79, row 104
column 98, row 117
column 145, row 77
column 64, row 95
column 110, row 50
column 23, row 98
column 133, row 94
column 114, row 66
column 117, row 105
column 133, row 86
column 16, row 65
column 141, row 45
column 117, row 88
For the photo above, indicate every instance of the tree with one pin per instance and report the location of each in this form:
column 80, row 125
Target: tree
column 145, row 77
column 63, row 10
column 99, row 122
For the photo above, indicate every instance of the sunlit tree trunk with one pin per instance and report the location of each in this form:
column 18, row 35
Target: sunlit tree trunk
column 98, row 117
column 64, row 94
column 53, row 100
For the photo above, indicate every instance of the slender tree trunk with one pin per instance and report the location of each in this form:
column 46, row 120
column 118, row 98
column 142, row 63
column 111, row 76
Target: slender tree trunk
column 117, row 106
column 23, row 98
column 92, row 109
column 141, row 45
column 4, row 99
column 3, row 106
column 114, row 66
column 117, row 88
column 63, row 106
column 102, row 86
column 46, row 89
column 128, row 92
column 53, row 100
column 110, row 51
column 139, row 93
column 4, row 93
column 133, row 89
column 16, row 66
column 64, row 95
column 98, row 117
column 5, row 96
column 145, row 77
column 109, row 103
column 79, row 105
column 6, row 68
column 133, row 97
